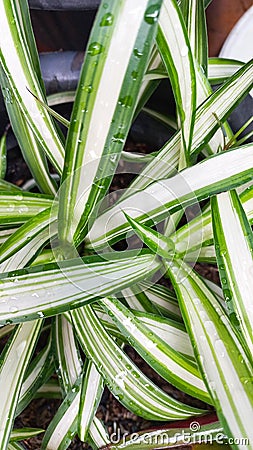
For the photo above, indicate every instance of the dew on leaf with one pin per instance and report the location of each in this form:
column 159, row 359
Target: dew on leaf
column 151, row 14
column 126, row 101
column 107, row 20
column 137, row 53
column 95, row 49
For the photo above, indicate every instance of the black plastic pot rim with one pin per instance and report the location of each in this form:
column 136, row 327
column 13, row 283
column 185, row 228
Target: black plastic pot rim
column 64, row 5
column 61, row 72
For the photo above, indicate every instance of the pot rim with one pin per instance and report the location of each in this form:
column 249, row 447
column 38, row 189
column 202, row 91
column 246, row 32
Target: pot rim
column 64, row 5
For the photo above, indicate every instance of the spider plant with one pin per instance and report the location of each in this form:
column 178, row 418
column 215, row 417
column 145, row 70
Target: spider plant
column 61, row 276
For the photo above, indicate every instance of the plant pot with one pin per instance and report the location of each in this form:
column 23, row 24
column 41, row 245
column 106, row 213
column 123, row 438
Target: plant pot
column 222, row 15
column 66, row 5
column 61, row 73
column 62, row 24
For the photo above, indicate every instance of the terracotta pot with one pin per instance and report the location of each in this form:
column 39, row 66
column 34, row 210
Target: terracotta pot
column 222, row 15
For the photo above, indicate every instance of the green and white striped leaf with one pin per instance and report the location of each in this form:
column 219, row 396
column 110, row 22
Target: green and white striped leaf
column 194, row 15
column 25, row 243
column 103, row 109
column 3, row 160
column 150, row 81
column 7, row 329
column 163, row 299
column 157, row 301
column 221, row 102
column 167, row 119
column 136, row 299
column 198, row 232
column 39, row 371
column 24, row 433
column 132, row 388
column 31, row 149
column 226, row 370
column 53, row 288
column 50, row 389
column 215, row 174
column 17, row 207
column 15, row 446
column 193, row 12
column 13, row 364
column 9, row 187
column 175, row 51
column 234, row 248
column 173, row 367
column 68, row 361
column 63, row 426
column 5, row 233
column 45, row 257
column 157, row 242
column 170, row 331
column 220, row 69
column 91, row 393
column 19, row 71
column 98, row 436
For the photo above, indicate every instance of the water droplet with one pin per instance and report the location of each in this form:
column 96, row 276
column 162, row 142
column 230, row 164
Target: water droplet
column 134, row 75
column 40, row 314
column 95, row 49
column 88, row 88
column 119, row 138
column 107, row 20
column 8, row 95
column 35, row 295
column 151, row 15
column 137, row 53
column 246, row 380
column 135, row 374
column 19, row 197
column 126, row 101
column 119, row 379
column 23, row 209
column 11, row 207
column 241, row 359
column 227, row 295
column 13, row 309
column 113, row 158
